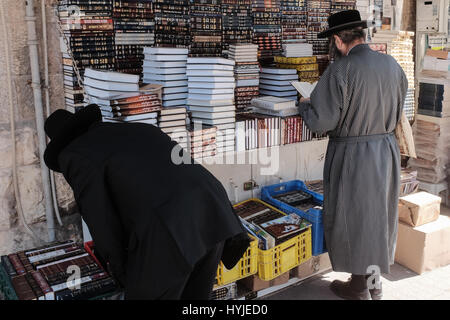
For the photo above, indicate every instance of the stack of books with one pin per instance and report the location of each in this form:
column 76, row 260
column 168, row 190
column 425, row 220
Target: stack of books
column 172, row 23
column 211, row 86
column 246, row 72
column 89, row 32
column 167, row 67
column 134, row 27
column 307, row 67
column 297, row 49
column 267, row 29
column 172, row 121
column 293, row 20
column 274, row 106
column 341, row 5
column 364, row 8
column 254, row 130
column 318, row 13
column 202, row 140
column 42, row 273
column 237, row 22
column 205, row 28
column 277, row 82
column 119, row 97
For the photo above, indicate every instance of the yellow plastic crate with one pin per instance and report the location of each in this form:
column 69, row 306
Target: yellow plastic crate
column 285, row 256
column 247, row 266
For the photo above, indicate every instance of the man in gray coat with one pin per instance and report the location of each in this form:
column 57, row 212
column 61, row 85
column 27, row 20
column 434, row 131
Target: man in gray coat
column 358, row 102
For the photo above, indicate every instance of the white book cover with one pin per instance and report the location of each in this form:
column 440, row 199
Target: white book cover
column 170, row 90
column 279, row 113
column 206, row 103
column 172, row 110
column 111, row 76
column 99, row 101
column 165, row 51
column 160, row 64
column 175, row 123
column 225, row 149
column 153, row 122
column 275, row 82
column 212, row 109
column 209, row 73
column 213, row 115
column 226, row 126
column 279, row 76
column 304, row 88
column 107, row 94
column 272, row 103
column 110, row 85
column 166, row 57
column 172, row 117
column 276, row 88
column 278, row 93
column 212, row 85
column 164, row 70
column 279, row 71
column 225, row 143
column 215, row 122
column 175, row 129
column 224, row 138
column 211, row 79
column 197, row 96
column 175, row 96
column 172, row 83
column 211, row 91
column 173, row 103
column 151, row 115
column 247, row 83
column 210, row 61
column 164, row 77
column 209, row 67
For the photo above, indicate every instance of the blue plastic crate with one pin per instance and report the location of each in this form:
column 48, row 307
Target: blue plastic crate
column 312, row 215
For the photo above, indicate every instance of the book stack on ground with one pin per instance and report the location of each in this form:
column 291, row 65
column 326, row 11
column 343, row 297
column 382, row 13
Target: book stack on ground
column 432, row 142
column 202, row 140
column 134, row 27
column 254, row 130
column 211, row 87
column 246, row 72
column 172, row 23
column 293, row 20
column 267, row 29
column 237, row 22
column 277, row 82
column 341, row 5
column 90, row 35
column 167, row 67
column 318, row 13
column 205, row 28
column 42, row 273
column 172, row 121
column 120, row 98
column 307, row 67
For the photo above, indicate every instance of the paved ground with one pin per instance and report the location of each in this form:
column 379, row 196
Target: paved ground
column 402, row 284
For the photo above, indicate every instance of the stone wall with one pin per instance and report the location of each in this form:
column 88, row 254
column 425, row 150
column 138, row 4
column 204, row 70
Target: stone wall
column 13, row 236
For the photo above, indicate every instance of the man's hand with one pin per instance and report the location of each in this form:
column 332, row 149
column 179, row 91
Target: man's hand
column 304, row 100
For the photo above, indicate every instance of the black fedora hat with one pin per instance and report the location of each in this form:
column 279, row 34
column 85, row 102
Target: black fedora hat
column 63, row 126
column 341, row 21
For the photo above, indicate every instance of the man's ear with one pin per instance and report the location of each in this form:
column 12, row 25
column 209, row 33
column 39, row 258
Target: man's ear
column 338, row 41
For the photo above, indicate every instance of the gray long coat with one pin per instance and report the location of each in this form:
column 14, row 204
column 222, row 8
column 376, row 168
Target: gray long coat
column 358, row 101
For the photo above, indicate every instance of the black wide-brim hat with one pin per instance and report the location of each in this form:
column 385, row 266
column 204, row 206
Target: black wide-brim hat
column 63, row 126
column 343, row 20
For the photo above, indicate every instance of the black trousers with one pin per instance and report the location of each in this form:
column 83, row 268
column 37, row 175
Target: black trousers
column 199, row 283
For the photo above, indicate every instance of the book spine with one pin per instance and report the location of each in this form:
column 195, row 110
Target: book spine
column 7, row 265
column 23, row 288
column 17, row 264
column 45, row 287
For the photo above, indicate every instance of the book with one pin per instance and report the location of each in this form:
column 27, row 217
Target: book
column 166, row 57
column 276, row 71
column 175, row 123
column 304, row 88
column 165, row 51
column 110, row 76
column 209, row 97
column 212, row 79
column 279, row 77
column 285, row 94
column 285, row 226
column 266, row 241
column 272, row 103
column 207, row 103
column 211, row 85
column 213, row 67
column 212, row 115
column 209, row 73
column 212, row 108
column 111, row 86
column 173, row 110
column 138, row 116
column 164, row 64
column 164, row 71
column 172, row 117
column 210, row 61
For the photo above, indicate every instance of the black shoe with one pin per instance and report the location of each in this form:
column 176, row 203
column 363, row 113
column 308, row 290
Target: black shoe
column 344, row 290
column 376, row 294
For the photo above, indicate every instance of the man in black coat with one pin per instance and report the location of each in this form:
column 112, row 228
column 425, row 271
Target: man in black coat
column 162, row 228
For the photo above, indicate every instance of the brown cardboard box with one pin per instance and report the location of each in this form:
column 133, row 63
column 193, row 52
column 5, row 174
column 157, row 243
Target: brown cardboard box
column 419, row 208
column 440, row 54
column 254, row 283
column 426, row 247
column 314, row 265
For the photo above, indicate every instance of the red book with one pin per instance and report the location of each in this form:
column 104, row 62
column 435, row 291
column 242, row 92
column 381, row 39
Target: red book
column 17, row 264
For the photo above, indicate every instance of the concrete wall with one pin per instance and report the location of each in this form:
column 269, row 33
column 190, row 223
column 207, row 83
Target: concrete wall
column 12, row 234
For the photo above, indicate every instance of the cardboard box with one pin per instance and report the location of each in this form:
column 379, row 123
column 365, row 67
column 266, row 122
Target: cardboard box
column 426, row 247
column 254, row 283
column 440, row 54
column 314, row 265
column 419, row 208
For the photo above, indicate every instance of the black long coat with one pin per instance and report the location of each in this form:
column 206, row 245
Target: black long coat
column 151, row 219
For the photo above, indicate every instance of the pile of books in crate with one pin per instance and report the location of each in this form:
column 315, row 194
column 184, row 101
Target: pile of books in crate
column 42, row 274
column 269, row 226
